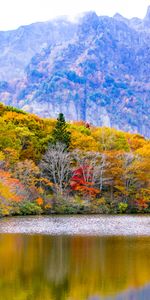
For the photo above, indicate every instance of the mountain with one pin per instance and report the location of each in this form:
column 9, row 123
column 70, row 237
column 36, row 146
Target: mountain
column 98, row 72
column 17, row 47
column 136, row 23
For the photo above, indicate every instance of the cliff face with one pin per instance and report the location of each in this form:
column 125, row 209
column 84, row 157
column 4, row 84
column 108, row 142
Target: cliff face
column 17, row 47
column 98, row 72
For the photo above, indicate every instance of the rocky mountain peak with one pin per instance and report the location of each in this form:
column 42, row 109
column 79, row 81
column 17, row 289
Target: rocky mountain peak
column 90, row 21
column 147, row 17
column 120, row 18
column 90, row 16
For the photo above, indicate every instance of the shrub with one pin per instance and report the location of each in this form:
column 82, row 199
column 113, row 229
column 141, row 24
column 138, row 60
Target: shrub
column 30, row 208
column 122, row 207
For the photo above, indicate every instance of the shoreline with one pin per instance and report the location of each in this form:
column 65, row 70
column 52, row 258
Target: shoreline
column 81, row 225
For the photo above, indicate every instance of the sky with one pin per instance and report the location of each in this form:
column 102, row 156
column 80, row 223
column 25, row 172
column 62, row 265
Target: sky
column 14, row 13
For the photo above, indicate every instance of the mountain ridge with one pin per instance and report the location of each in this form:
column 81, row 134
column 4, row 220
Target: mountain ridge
column 99, row 73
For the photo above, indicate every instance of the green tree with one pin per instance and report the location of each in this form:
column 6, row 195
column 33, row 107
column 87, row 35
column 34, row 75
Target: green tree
column 60, row 133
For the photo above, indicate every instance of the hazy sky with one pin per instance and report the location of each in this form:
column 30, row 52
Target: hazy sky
column 14, row 13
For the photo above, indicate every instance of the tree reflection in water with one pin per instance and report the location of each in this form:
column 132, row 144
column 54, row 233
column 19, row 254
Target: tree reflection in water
column 40, row 267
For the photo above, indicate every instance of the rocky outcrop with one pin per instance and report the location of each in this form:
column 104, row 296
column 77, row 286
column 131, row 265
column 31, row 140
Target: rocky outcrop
column 17, row 47
column 100, row 75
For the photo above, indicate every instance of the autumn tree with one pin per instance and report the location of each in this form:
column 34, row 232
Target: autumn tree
column 27, row 172
column 101, row 171
column 56, row 166
column 12, row 192
column 85, row 173
column 113, row 173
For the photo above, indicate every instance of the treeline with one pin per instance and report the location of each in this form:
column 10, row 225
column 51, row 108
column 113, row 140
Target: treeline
column 50, row 166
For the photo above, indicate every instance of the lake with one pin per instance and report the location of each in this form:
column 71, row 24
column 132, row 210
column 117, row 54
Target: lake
column 75, row 258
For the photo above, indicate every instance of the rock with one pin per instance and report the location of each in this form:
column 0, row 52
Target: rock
column 96, row 70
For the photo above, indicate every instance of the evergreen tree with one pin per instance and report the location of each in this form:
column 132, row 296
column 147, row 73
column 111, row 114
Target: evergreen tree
column 60, row 133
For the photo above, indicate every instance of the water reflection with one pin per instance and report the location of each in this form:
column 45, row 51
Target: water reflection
column 39, row 267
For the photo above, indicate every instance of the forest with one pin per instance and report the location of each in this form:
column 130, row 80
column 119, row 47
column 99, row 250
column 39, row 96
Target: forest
column 52, row 166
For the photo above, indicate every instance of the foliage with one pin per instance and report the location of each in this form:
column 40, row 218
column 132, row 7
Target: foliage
column 60, row 134
column 83, row 177
column 102, row 171
column 30, row 208
column 122, row 207
column 55, row 166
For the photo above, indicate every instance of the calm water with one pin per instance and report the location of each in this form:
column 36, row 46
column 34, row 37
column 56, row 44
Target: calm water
column 54, row 264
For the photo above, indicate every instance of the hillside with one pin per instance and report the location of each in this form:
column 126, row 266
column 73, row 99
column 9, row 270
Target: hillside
column 99, row 74
column 102, row 171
